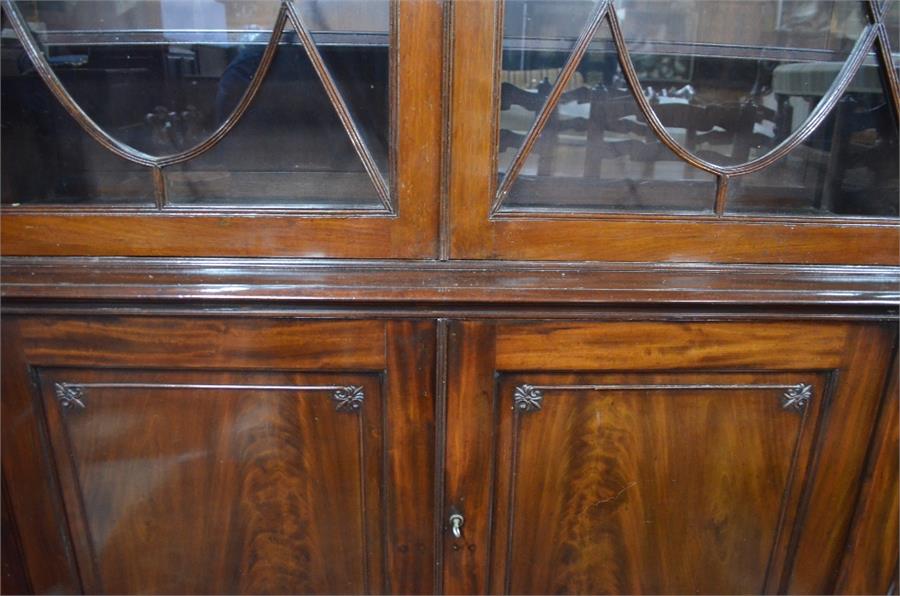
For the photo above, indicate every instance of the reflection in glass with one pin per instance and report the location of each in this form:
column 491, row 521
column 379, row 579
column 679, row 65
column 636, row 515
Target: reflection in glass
column 352, row 36
column 163, row 75
column 729, row 80
column 290, row 148
column 733, row 63
column 528, row 74
column 892, row 23
column 47, row 157
column 160, row 76
column 597, row 151
column 848, row 166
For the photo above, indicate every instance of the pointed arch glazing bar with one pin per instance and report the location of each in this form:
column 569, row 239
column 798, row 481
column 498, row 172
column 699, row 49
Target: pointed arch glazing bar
column 581, row 46
column 340, row 106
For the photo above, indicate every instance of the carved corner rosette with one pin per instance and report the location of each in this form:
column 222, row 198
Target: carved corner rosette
column 69, row 396
column 528, row 398
column 349, row 398
column 796, row 397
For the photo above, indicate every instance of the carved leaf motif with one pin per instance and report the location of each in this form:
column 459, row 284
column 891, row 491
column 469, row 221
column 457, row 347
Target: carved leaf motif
column 349, row 398
column 796, row 397
column 69, row 396
column 527, row 398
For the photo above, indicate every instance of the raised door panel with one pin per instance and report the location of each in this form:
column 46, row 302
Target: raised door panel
column 267, row 472
column 211, row 482
column 656, row 457
column 636, row 484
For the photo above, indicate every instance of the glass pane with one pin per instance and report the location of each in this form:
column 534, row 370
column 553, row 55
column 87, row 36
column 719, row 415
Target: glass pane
column 537, row 39
column 729, row 66
column 290, row 148
column 597, row 152
column 47, row 158
column 163, row 75
column 849, row 166
column 158, row 75
column 352, row 36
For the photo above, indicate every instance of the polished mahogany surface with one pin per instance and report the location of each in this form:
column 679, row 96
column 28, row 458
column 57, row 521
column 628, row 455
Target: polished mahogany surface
column 873, row 545
column 213, row 482
column 654, row 457
column 627, row 490
column 433, row 296
column 222, row 455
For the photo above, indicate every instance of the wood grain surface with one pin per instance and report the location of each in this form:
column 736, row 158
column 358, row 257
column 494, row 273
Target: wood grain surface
column 746, row 496
column 209, row 476
column 873, row 559
column 219, row 491
column 670, row 491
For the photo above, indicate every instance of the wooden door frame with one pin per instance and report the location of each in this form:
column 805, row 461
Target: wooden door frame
column 475, row 48
column 408, row 230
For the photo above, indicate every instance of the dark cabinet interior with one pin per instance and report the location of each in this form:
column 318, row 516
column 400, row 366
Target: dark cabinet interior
column 161, row 95
column 424, row 296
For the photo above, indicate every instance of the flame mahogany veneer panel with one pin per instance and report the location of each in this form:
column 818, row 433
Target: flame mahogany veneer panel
column 657, row 457
column 221, row 455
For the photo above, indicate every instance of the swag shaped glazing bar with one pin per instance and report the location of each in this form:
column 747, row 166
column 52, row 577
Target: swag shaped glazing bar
column 848, row 70
column 115, row 146
column 286, row 12
column 606, row 9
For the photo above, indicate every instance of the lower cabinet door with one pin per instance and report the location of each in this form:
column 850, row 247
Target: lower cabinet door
column 656, row 457
column 221, row 456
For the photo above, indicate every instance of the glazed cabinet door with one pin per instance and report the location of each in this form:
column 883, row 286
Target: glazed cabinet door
column 644, row 131
column 206, row 128
column 710, row 458
column 220, row 456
